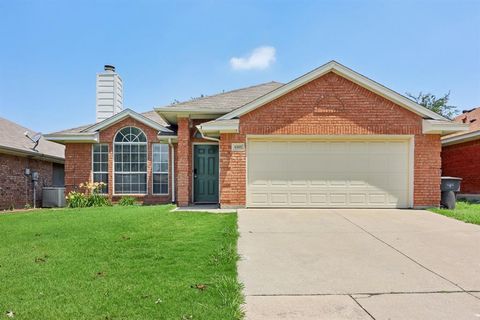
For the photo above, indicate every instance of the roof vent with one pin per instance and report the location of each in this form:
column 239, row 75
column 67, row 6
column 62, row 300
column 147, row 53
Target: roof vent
column 109, row 68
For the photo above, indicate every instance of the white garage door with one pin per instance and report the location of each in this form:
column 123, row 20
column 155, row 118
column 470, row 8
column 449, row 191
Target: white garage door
column 328, row 174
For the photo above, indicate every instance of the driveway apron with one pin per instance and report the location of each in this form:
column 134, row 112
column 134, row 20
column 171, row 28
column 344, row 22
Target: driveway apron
column 358, row 264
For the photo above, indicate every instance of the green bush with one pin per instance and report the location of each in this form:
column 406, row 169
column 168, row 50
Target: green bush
column 90, row 198
column 98, row 200
column 127, row 201
column 76, row 199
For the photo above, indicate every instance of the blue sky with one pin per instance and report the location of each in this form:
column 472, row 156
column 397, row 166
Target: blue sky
column 50, row 51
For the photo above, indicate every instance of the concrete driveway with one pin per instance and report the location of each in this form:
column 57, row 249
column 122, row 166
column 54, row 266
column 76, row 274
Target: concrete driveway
column 358, row 264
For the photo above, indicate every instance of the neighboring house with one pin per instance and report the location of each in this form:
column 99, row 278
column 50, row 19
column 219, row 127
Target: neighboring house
column 461, row 154
column 330, row 138
column 17, row 153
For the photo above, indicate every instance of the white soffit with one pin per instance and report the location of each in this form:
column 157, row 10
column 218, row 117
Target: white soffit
column 442, row 127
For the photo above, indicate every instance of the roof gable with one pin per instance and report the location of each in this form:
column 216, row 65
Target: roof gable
column 89, row 133
column 344, row 72
column 122, row 115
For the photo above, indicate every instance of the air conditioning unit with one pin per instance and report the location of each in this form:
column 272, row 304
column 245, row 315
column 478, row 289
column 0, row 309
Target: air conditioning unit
column 53, row 197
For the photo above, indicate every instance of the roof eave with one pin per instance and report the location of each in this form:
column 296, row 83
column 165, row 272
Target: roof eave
column 215, row 128
column 168, row 139
column 32, row 154
column 442, row 127
column 172, row 115
column 470, row 136
column 89, row 137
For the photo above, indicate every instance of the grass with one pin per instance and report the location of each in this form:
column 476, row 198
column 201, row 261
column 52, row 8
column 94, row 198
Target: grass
column 464, row 211
column 119, row 263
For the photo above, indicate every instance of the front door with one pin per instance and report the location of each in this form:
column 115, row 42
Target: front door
column 205, row 173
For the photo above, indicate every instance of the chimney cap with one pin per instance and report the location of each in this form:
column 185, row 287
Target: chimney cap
column 109, row 67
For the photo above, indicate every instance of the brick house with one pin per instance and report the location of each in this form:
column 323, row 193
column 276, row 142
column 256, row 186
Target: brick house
column 330, row 138
column 17, row 153
column 461, row 154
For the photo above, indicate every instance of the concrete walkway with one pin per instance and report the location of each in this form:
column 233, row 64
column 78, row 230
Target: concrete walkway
column 358, row 264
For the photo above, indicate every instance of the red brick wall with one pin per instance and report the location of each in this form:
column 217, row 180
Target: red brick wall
column 78, row 165
column 16, row 190
column 463, row 160
column 232, row 171
column 427, row 170
column 184, row 162
column 332, row 105
column 186, row 139
column 78, row 162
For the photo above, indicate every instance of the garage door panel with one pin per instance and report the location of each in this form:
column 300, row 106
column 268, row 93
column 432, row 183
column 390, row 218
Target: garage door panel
column 277, row 198
column 338, row 198
column 358, row 198
column 259, row 198
column 318, row 182
column 328, row 173
column 299, row 198
column 377, row 198
column 318, row 199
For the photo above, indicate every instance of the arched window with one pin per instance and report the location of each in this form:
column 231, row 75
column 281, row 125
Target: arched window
column 130, row 161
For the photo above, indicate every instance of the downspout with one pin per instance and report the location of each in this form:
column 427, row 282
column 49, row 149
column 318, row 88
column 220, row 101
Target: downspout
column 199, row 127
column 173, row 168
column 204, row 137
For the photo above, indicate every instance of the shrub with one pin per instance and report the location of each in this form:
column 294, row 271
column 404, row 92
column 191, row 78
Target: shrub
column 98, row 200
column 76, row 199
column 89, row 198
column 127, row 201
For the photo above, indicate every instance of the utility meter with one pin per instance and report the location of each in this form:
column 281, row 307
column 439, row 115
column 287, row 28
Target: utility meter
column 35, row 176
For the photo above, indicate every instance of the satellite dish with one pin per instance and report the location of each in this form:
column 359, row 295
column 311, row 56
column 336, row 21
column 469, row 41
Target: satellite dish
column 36, row 138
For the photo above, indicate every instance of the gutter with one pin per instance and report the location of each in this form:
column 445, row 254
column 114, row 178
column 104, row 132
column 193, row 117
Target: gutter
column 84, row 137
column 32, row 154
column 466, row 137
column 173, row 168
column 199, row 127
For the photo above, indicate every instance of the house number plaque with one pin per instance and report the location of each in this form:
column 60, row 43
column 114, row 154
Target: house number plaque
column 238, row 147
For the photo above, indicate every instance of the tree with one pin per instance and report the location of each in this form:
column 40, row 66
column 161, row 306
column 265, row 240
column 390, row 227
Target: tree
column 438, row 105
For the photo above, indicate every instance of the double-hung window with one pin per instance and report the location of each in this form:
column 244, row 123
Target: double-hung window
column 100, row 165
column 130, row 161
column 160, row 168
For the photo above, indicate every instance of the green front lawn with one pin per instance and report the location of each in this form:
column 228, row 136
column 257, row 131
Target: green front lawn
column 464, row 211
column 119, row 263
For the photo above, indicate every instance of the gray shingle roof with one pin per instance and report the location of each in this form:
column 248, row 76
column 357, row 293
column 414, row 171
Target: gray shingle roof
column 12, row 136
column 226, row 101
column 222, row 103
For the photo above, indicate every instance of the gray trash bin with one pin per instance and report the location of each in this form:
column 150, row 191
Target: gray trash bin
column 449, row 187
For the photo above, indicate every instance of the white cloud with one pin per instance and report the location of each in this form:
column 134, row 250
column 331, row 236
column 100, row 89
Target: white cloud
column 260, row 58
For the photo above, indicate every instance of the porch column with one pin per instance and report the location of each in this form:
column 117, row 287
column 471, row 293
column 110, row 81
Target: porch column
column 184, row 162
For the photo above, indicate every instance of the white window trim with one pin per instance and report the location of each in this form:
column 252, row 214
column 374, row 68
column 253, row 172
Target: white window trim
column 166, row 172
column 113, row 164
column 100, row 172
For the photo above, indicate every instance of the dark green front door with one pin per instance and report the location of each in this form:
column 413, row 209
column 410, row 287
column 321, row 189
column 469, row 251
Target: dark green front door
column 205, row 173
